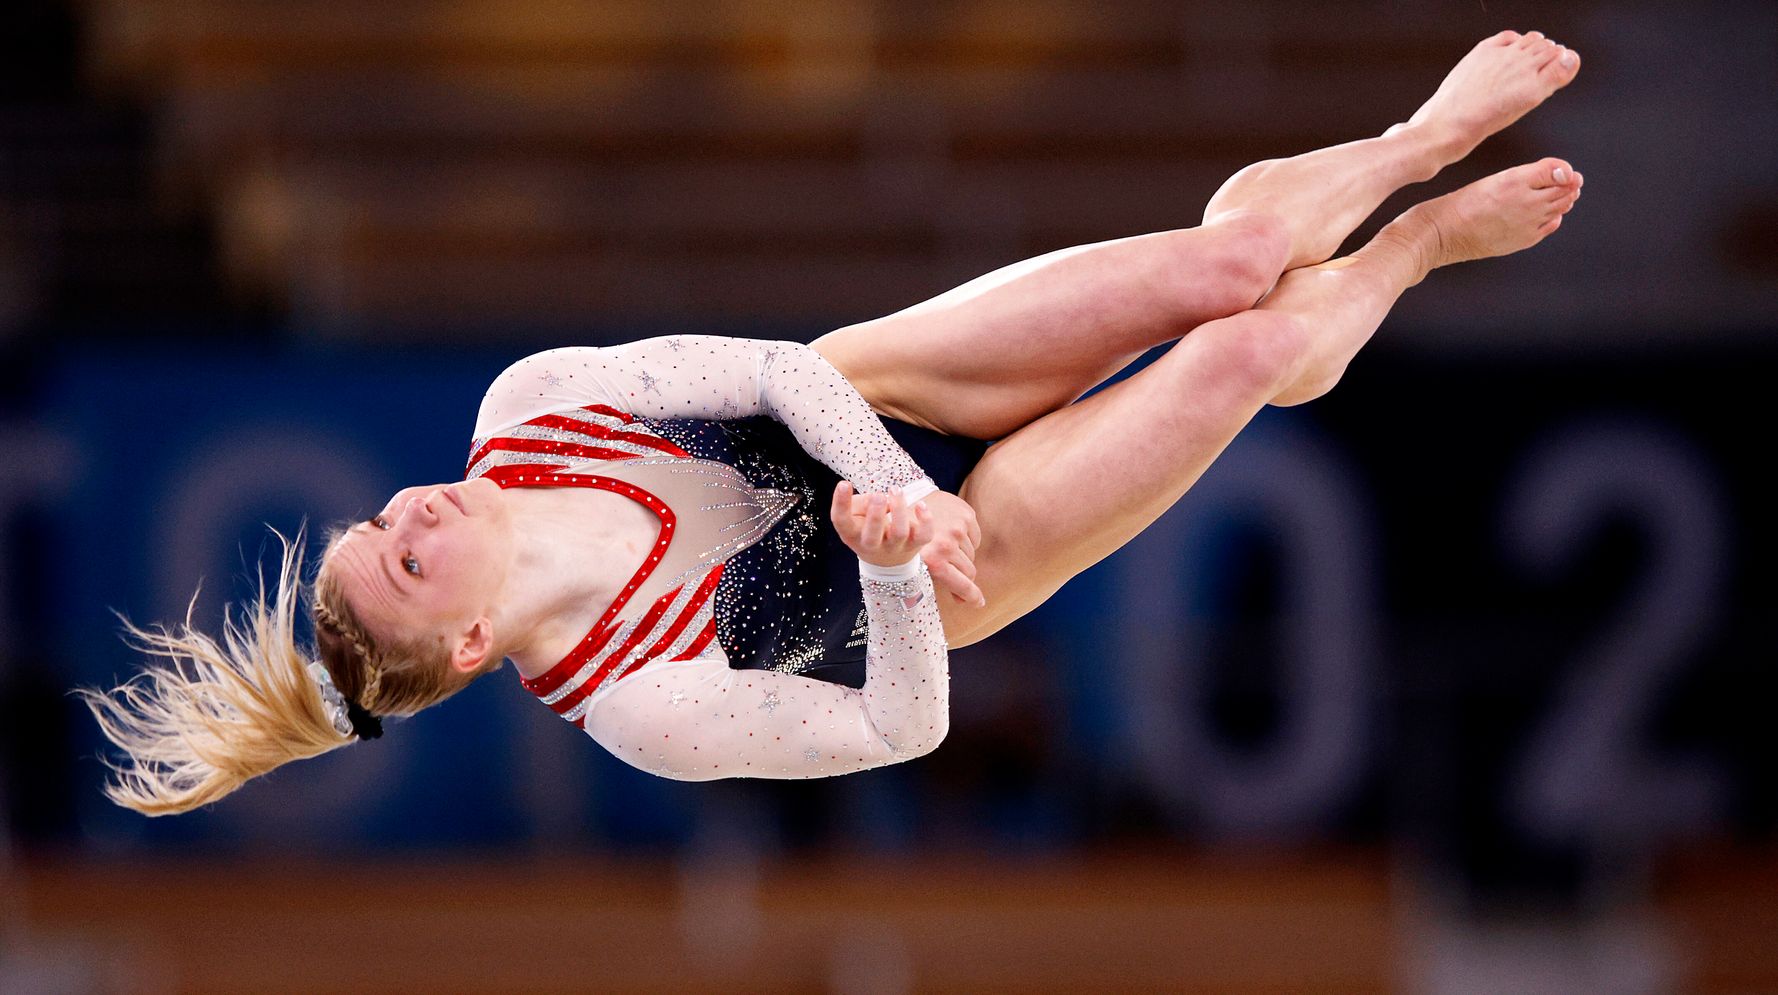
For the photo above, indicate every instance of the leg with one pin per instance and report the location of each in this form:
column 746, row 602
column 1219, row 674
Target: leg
column 1003, row 350
column 1067, row 490
column 1006, row 348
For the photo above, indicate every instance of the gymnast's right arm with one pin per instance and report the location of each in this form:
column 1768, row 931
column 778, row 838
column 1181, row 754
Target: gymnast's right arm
column 702, row 720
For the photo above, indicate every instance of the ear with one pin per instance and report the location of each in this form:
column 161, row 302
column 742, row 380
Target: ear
column 473, row 646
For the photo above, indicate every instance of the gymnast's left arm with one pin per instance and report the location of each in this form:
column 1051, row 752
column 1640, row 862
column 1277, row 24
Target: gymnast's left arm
column 708, row 376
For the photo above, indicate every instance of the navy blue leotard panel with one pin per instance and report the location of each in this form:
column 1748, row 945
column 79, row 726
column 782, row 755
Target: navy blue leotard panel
column 791, row 601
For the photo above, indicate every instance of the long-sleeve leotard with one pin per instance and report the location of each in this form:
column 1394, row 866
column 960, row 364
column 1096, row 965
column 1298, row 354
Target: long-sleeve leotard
column 697, row 718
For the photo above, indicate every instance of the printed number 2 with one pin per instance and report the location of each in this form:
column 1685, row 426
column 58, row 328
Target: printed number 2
column 1588, row 776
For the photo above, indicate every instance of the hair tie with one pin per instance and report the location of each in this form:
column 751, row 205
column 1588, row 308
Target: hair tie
column 364, row 724
column 348, row 718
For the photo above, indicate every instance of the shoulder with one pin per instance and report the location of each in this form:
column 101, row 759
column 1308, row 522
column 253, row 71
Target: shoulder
column 544, row 383
column 556, row 370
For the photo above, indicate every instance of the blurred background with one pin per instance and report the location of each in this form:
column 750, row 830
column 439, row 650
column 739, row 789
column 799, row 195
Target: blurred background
column 1456, row 680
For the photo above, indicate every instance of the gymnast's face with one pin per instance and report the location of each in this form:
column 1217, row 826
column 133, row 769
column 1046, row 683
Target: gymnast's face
column 429, row 565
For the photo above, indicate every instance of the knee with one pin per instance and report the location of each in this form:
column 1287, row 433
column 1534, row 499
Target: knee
column 1309, row 387
column 1252, row 248
column 1262, row 351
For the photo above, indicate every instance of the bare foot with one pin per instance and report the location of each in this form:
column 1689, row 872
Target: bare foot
column 1510, row 211
column 1498, row 82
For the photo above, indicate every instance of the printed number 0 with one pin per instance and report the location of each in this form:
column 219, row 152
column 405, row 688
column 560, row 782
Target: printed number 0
column 1305, row 491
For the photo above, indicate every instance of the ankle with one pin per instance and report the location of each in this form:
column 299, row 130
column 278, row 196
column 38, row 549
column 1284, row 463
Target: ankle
column 1433, row 147
column 1412, row 244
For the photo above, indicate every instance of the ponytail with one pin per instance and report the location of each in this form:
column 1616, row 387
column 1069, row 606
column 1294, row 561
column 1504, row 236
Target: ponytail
column 224, row 712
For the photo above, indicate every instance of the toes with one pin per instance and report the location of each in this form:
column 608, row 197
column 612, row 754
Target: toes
column 1530, row 38
column 1559, row 199
column 1549, row 226
column 1552, row 173
column 1505, row 38
column 1562, row 66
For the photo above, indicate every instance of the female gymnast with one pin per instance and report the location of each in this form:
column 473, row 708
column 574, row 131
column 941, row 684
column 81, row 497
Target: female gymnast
column 640, row 528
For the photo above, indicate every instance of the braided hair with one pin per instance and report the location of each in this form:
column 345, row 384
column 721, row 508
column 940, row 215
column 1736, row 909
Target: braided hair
column 380, row 677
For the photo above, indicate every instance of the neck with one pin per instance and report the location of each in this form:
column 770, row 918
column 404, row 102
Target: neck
column 572, row 552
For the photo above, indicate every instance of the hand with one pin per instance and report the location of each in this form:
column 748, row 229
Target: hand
column 888, row 533
column 950, row 555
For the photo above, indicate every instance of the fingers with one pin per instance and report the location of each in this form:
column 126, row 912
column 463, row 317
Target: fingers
column 944, row 550
column 842, row 500
column 950, row 559
column 909, row 527
column 954, row 571
column 890, row 527
column 920, row 531
column 844, row 522
column 885, row 529
column 876, row 524
column 947, row 577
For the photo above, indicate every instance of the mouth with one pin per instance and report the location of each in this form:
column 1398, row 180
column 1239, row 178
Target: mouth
column 451, row 496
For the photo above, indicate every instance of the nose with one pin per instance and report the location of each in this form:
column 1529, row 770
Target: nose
column 419, row 508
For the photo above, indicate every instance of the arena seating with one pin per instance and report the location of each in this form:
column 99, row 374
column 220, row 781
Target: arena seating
column 436, row 163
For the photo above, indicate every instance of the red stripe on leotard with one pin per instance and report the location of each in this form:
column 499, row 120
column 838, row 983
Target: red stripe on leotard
column 698, row 644
column 550, row 447
column 616, row 656
column 596, row 431
column 690, row 612
column 645, row 627
column 606, row 409
column 541, row 475
column 639, row 437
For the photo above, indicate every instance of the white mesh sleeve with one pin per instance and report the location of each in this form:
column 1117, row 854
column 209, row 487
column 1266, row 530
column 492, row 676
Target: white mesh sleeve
column 701, row 720
column 703, row 376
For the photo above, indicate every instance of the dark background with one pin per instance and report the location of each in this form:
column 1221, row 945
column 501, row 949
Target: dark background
column 1456, row 679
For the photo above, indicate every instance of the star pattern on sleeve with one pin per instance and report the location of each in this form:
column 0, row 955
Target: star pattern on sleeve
column 710, row 377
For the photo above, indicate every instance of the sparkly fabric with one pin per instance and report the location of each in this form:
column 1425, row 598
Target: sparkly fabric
column 706, row 377
column 703, row 720
column 745, row 552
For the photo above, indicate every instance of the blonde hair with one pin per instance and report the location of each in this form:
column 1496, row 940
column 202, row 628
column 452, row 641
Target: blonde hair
column 228, row 711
